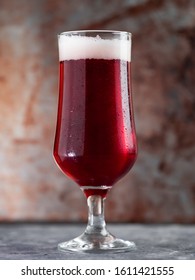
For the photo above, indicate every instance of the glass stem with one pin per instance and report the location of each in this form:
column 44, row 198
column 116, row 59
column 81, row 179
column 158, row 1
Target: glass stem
column 96, row 222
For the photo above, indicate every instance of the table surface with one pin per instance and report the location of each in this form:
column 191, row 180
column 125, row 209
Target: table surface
column 39, row 241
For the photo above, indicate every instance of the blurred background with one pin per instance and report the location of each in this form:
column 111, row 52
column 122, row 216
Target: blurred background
column 161, row 185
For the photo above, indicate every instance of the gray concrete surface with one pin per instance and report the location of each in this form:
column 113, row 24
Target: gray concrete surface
column 39, row 241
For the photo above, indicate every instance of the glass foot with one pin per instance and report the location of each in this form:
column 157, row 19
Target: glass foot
column 94, row 244
column 96, row 238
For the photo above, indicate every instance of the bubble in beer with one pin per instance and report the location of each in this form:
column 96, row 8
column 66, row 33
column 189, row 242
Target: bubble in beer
column 83, row 47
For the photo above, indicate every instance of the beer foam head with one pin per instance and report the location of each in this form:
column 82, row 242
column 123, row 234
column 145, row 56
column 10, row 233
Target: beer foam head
column 83, row 47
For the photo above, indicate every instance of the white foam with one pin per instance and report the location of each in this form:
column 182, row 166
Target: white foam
column 81, row 47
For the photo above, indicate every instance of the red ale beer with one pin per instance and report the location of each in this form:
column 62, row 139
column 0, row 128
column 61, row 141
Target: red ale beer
column 95, row 141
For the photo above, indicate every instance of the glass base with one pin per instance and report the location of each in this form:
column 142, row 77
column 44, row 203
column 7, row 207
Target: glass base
column 93, row 244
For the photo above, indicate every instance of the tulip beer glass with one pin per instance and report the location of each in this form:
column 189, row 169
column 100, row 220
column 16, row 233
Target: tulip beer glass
column 95, row 141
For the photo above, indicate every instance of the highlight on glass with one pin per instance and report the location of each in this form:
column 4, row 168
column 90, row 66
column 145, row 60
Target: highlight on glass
column 95, row 141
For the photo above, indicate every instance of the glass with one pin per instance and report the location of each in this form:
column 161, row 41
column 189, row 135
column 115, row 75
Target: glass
column 95, row 141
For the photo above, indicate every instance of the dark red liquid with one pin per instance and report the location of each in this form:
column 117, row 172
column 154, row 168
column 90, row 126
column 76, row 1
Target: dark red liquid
column 95, row 141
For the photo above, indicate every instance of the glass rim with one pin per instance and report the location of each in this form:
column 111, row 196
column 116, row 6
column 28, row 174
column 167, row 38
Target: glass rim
column 114, row 32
